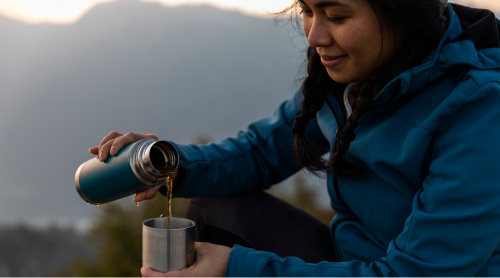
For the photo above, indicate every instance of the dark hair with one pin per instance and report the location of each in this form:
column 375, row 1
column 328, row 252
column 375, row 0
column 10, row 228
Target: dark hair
column 424, row 25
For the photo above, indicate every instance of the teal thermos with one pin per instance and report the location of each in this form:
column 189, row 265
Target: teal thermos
column 136, row 167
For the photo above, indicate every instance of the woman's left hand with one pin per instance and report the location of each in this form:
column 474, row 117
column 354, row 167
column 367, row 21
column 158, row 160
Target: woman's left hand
column 211, row 260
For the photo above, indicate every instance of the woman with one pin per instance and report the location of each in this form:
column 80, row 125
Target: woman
column 405, row 95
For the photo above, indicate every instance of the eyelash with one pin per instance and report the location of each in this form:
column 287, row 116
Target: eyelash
column 307, row 13
column 335, row 19
column 330, row 19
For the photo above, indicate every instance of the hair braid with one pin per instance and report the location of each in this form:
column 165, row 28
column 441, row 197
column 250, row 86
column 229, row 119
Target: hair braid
column 361, row 105
column 314, row 89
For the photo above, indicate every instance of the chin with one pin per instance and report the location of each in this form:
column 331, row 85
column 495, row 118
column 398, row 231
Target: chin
column 341, row 78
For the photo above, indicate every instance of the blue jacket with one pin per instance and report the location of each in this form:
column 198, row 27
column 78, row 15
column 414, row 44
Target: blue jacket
column 430, row 204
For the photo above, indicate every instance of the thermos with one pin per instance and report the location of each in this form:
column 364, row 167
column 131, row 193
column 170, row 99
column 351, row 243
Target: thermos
column 136, row 167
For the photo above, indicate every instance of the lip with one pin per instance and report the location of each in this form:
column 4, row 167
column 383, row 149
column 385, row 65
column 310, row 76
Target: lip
column 331, row 61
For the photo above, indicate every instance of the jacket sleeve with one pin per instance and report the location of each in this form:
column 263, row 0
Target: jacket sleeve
column 255, row 159
column 454, row 225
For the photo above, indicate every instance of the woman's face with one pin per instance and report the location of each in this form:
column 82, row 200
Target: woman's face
column 346, row 35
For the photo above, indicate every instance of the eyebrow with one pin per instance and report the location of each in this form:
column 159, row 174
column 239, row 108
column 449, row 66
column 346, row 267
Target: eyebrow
column 329, row 3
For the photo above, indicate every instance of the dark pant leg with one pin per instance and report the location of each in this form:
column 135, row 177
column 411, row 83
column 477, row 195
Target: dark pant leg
column 263, row 222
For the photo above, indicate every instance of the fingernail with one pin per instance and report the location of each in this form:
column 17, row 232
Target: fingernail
column 101, row 157
column 113, row 150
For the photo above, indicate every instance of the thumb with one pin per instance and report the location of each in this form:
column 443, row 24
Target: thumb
column 148, row 194
column 148, row 272
column 94, row 150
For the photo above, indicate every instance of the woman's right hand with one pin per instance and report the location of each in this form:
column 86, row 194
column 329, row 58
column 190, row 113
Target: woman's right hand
column 112, row 143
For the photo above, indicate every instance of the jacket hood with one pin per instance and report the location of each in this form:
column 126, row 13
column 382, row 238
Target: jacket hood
column 472, row 39
column 479, row 26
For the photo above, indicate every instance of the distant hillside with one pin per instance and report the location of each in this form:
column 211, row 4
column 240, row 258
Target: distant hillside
column 127, row 66
column 29, row 252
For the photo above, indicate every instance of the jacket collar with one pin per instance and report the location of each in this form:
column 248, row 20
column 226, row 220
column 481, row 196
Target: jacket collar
column 457, row 47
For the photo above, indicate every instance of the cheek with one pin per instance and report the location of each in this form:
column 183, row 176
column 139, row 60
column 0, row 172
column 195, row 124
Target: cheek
column 371, row 37
column 350, row 39
column 360, row 40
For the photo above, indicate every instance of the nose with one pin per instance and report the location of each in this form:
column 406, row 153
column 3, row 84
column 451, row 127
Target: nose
column 319, row 34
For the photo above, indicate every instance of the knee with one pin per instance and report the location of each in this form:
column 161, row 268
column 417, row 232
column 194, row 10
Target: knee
column 199, row 202
column 196, row 207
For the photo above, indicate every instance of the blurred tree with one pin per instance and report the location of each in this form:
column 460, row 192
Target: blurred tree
column 203, row 140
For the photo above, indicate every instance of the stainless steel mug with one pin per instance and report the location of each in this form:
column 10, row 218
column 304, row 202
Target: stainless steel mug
column 165, row 249
column 136, row 167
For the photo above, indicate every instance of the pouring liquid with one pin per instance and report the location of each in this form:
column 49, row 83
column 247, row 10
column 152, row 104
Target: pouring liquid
column 163, row 166
column 169, row 181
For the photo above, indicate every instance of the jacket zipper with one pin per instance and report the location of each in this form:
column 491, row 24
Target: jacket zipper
column 337, row 190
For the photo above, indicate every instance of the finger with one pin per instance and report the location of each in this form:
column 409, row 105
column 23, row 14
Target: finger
column 124, row 140
column 111, row 135
column 174, row 175
column 148, row 272
column 152, row 135
column 148, row 194
column 94, row 150
column 104, row 150
column 128, row 138
column 199, row 248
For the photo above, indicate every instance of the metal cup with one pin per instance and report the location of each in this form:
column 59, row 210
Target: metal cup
column 165, row 249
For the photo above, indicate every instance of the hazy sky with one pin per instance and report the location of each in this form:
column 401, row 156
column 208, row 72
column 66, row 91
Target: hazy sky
column 69, row 11
column 64, row 11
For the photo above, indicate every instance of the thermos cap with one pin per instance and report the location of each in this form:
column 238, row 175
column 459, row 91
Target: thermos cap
column 152, row 159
